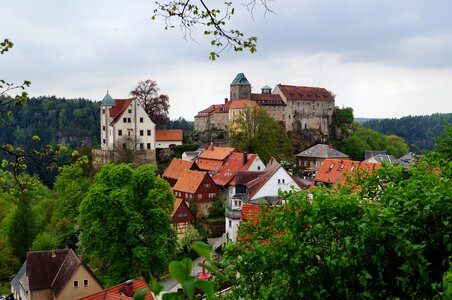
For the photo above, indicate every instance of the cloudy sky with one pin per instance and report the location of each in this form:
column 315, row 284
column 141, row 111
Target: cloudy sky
column 384, row 58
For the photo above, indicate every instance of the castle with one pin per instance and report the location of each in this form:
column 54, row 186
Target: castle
column 297, row 108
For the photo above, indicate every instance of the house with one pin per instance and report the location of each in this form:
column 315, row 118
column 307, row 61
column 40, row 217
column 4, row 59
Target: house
column 335, row 171
column 176, row 168
column 168, row 138
column 371, row 153
column 409, row 159
column 379, row 158
column 312, row 158
column 55, row 274
column 192, row 155
column 235, row 162
column 197, row 188
column 254, row 187
column 122, row 291
column 124, row 125
column 298, row 108
column 213, row 157
column 182, row 216
column 237, row 107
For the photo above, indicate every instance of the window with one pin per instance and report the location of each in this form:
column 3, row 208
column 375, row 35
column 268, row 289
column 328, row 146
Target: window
column 190, row 196
column 120, row 132
column 186, row 195
column 199, row 196
column 149, row 132
column 281, row 181
column 103, row 141
column 103, row 128
column 141, row 146
column 212, row 195
column 305, row 163
column 230, row 223
column 128, row 132
column 75, row 283
column 149, row 146
column 141, row 120
column 124, row 120
column 85, row 282
column 130, row 111
column 259, row 168
column 103, row 111
column 207, row 185
column 129, row 120
column 141, row 132
column 124, row 146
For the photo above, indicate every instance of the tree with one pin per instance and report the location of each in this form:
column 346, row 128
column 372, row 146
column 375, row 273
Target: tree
column 125, row 223
column 388, row 239
column 155, row 104
column 255, row 131
column 444, row 143
column 193, row 13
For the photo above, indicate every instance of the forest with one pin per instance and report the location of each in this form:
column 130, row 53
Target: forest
column 417, row 131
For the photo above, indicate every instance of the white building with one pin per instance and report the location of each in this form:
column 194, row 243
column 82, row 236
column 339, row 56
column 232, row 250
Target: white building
column 125, row 125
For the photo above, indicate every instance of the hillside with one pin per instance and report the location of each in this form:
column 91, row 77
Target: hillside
column 418, row 131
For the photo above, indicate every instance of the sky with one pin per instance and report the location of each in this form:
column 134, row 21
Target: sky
column 385, row 59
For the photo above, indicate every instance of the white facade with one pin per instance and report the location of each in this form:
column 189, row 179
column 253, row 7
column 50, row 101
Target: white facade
column 279, row 181
column 130, row 128
column 167, row 144
column 256, row 165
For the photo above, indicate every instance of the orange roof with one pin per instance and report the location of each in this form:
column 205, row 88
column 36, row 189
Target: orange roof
column 177, row 167
column 217, row 153
column 119, row 108
column 190, row 181
column 335, row 170
column 120, row 291
column 169, row 135
column 209, row 164
column 238, row 104
column 292, row 92
column 250, row 212
column 233, row 164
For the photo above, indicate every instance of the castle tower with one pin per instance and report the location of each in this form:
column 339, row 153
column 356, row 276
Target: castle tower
column 105, row 135
column 240, row 88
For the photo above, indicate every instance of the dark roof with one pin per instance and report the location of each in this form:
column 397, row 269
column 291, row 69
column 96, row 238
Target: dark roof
column 69, row 266
column 322, row 151
column 108, row 100
column 243, row 177
column 308, row 93
column 43, row 266
column 369, row 153
column 240, row 79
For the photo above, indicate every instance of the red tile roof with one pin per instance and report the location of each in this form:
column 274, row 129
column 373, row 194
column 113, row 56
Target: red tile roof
column 209, row 164
column 292, row 92
column 169, row 135
column 217, row 153
column 240, row 104
column 234, row 163
column 121, row 291
column 177, row 167
column 119, row 108
column 190, row 181
column 334, row 171
column 250, row 213
column 266, row 97
column 214, row 108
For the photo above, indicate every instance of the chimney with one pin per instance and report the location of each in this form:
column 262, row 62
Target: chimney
column 128, row 286
column 225, row 100
column 245, row 158
column 53, row 253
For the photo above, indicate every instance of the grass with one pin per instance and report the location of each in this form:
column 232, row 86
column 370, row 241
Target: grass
column 5, row 288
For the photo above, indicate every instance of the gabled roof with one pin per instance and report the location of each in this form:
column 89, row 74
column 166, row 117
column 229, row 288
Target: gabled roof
column 292, row 92
column 234, row 163
column 169, row 135
column 255, row 185
column 381, row 158
column 266, row 97
column 240, row 79
column 120, row 107
column 52, row 269
column 214, row 108
column 322, row 151
column 217, row 153
column 240, row 104
column 190, row 181
column 181, row 204
column 121, row 291
column 177, row 167
column 243, row 177
column 16, row 282
column 334, row 171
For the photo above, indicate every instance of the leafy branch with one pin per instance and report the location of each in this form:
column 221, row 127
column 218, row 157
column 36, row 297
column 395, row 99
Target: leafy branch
column 213, row 20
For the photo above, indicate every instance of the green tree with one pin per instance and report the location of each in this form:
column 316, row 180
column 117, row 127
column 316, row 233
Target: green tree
column 388, row 239
column 125, row 223
column 255, row 131
column 444, row 143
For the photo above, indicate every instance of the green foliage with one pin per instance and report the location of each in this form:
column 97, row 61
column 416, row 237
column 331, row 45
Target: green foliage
column 190, row 236
column 125, row 223
column 255, row 131
column 344, row 116
column 367, row 139
column 45, row 241
column 417, row 131
column 217, row 209
column 390, row 240
column 444, row 143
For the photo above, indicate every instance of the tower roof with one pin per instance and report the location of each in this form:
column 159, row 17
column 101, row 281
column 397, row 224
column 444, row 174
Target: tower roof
column 240, row 79
column 266, row 87
column 108, row 100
